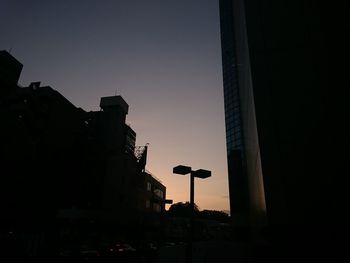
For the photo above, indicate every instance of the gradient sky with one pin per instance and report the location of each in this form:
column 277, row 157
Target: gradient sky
column 162, row 56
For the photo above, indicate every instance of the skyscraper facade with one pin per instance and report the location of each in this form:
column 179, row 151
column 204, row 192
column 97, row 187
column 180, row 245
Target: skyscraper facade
column 247, row 201
column 284, row 106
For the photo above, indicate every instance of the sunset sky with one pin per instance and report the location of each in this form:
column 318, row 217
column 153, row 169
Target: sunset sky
column 162, row 56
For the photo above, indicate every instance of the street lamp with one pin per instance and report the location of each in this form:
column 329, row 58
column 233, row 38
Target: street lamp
column 183, row 170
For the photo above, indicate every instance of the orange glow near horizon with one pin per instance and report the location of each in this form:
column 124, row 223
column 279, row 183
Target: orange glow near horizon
column 163, row 58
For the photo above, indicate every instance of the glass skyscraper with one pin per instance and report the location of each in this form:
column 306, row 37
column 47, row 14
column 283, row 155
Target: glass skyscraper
column 247, row 201
column 282, row 75
column 233, row 117
column 286, row 113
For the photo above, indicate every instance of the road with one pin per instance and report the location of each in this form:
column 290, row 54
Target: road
column 204, row 251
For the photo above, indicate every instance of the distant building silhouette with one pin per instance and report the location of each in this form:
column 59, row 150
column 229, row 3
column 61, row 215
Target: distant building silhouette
column 283, row 135
column 62, row 165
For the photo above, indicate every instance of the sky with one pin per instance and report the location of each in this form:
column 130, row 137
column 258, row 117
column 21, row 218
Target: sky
column 162, row 56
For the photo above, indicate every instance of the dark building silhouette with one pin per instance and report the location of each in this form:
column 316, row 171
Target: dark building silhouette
column 247, row 200
column 10, row 71
column 282, row 74
column 62, row 167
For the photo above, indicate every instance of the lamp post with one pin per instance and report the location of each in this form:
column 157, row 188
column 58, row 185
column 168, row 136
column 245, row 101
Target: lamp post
column 201, row 173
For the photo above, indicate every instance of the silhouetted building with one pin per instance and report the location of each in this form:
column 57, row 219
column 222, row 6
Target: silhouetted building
column 152, row 198
column 247, row 201
column 10, row 70
column 63, row 167
column 283, row 136
column 130, row 140
column 39, row 153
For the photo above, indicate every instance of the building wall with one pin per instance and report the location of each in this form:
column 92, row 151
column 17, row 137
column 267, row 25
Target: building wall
column 237, row 177
column 130, row 140
column 120, row 189
column 112, row 127
column 38, row 153
column 152, row 194
column 56, row 157
column 247, row 199
column 289, row 75
column 10, row 70
column 288, row 55
column 257, row 204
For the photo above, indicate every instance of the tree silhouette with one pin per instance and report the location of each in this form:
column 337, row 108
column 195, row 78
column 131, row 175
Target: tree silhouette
column 214, row 215
column 182, row 209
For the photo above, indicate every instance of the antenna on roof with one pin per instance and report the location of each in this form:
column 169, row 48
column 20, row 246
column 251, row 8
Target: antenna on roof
column 116, row 91
column 10, row 50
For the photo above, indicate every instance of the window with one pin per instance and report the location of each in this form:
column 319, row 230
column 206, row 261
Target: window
column 158, row 193
column 237, row 122
column 238, row 142
column 149, row 186
column 156, row 207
